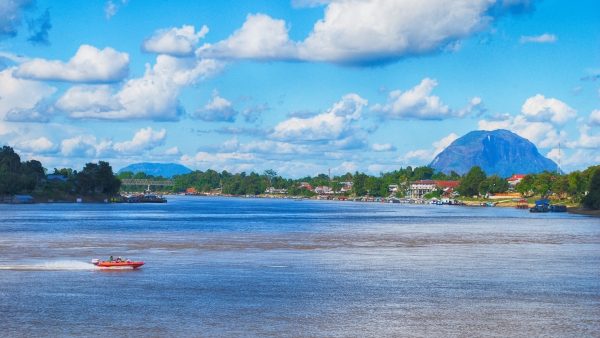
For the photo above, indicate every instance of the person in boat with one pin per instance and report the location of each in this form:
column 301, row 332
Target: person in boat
column 110, row 259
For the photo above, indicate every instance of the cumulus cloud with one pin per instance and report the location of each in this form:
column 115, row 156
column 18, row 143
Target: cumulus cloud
column 175, row 41
column 542, row 109
column 218, row 109
column 87, row 98
column 89, row 64
column 41, row 112
column 543, row 38
column 89, row 146
column 542, row 134
column 381, row 147
column 144, row 139
column 359, row 32
column 419, row 103
column 580, row 158
column 260, row 37
column 334, row 124
column 38, row 145
column 426, row 155
column 586, row 139
column 80, row 146
column 22, row 98
column 152, row 96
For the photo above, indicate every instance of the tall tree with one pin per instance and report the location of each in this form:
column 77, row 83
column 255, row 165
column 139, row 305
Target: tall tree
column 592, row 199
column 469, row 185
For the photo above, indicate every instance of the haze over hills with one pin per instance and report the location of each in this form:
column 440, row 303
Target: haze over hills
column 499, row 152
column 167, row 170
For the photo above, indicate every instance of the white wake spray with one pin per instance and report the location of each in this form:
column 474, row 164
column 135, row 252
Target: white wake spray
column 51, row 266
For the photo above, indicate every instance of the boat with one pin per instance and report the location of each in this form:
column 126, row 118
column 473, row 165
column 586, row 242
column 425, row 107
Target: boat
column 117, row 264
column 558, row 208
column 542, row 205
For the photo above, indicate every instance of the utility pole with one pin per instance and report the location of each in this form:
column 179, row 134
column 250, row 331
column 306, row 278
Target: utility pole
column 558, row 167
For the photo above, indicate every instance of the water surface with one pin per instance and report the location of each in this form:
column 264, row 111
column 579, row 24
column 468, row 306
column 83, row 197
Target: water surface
column 257, row 267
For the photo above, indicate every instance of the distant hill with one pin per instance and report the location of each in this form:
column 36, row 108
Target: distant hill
column 499, row 152
column 157, row 169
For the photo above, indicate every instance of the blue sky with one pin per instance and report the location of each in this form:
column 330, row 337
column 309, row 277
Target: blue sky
column 299, row 86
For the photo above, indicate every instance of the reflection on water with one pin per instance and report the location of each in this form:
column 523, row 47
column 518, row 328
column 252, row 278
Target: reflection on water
column 235, row 267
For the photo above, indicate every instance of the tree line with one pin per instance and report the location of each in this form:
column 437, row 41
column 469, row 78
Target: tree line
column 98, row 179
column 29, row 177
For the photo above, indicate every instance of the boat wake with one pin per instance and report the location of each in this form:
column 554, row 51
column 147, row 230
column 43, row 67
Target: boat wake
column 51, row 266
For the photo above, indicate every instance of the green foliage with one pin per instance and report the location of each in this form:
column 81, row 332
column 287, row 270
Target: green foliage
column 493, row 184
column 16, row 176
column 592, row 199
column 97, row 179
column 525, row 187
column 469, row 185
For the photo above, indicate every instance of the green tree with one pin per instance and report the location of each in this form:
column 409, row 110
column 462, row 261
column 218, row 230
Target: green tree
column 592, row 199
column 469, row 185
column 492, row 185
column 525, row 187
column 359, row 182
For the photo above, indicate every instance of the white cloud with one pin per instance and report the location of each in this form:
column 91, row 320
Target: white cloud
column 380, row 147
column 18, row 96
column 91, row 98
column 586, row 139
column 218, row 109
column 89, row 64
column 260, row 37
column 152, row 96
column 595, row 117
column 419, row 103
column 580, row 158
column 175, row 41
column 541, row 109
column 542, row 134
column 144, row 139
column 38, row 145
column 426, row 155
column 173, row 151
column 444, row 142
column 79, row 146
column 363, row 32
column 543, row 38
column 331, row 125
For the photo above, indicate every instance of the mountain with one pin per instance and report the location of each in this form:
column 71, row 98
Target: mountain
column 499, row 152
column 157, row 169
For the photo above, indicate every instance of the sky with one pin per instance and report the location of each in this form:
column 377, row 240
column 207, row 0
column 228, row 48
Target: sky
column 298, row 86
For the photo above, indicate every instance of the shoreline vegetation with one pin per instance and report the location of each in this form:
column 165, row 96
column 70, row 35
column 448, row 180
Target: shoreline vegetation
column 29, row 182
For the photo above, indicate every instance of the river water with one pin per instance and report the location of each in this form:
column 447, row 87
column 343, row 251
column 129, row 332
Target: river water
column 257, row 267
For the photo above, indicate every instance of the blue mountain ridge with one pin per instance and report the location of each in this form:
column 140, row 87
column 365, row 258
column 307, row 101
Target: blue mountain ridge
column 167, row 170
column 500, row 152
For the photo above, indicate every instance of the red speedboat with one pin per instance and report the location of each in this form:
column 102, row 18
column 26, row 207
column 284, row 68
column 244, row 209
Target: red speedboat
column 118, row 263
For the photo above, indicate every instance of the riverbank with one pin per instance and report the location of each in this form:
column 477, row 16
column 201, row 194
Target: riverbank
column 581, row 211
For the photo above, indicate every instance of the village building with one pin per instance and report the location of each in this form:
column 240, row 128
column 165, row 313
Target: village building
column 305, row 185
column 346, row 186
column 272, row 190
column 323, row 190
column 514, row 180
column 418, row 189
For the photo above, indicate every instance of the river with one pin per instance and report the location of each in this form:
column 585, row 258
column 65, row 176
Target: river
column 258, row 267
